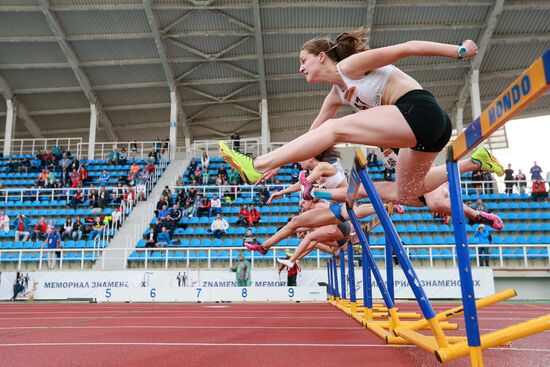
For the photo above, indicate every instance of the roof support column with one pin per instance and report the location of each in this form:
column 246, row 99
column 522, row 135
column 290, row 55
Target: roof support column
column 266, row 134
column 11, row 117
column 93, row 128
column 474, row 94
column 173, row 124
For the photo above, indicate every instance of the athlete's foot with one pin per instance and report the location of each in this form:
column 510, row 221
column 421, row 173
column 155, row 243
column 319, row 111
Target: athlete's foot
column 305, row 186
column 487, row 162
column 240, row 162
column 490, row 219
column 256, row 247
column 286, row 262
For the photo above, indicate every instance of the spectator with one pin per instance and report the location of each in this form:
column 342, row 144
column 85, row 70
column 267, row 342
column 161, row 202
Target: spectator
column 192, row 193
column 40, row 230
column 292, row 272
column 163, row 238
column 179, row 181
column 97, row 228
column 236, row 141
column 163, row 212
column 65, row 162
column 222, row 171
column 538, row 191
column 150, row 169
column 160, row 204
column 480, row 206
column 93, row 198
column 372, row 159
column 277, row 186
column 12, row 165
column 242, row 270
column 4, row 221
column 75, row 179
column 263, row 194
column 52, row 242
column 483, row 237
column 76, row 233
column 477, row 180
column 152, row 157
column 216, row 205
column 167, row 193
column 65, row 177
column 205, row 161
column 103, row 197
column 249, row 238
column 113, row 157
column 123, row 156
column 77, row 199
column 189, row 208
column 254, row 216
column 67, row 229
column 219, row 180
column 134, row 169
column 42, row 180
column 508, row 179
column 175, row 215
column 151, row 239
column 295, row 172
column 141, row 190
column 24, row 166
column 133, row 148
column 388, row 172
column 244, row 216
column 21, row 225
column 233, row 178
column 75, row 164
column 116, row 216
column 104, row 178
column 205, row 206
column 219, row 226
column 522, row 181
column 36, row 164
column 536, row 172
column 84, row 177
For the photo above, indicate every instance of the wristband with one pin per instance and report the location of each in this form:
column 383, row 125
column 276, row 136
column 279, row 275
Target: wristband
column 462, row 51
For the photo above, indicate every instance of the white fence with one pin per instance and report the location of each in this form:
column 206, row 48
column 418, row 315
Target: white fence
column 188, row 257
column 31, row 146
column 135, row 149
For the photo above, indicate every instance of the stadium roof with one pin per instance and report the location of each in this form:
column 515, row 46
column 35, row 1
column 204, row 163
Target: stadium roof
column 222, row 56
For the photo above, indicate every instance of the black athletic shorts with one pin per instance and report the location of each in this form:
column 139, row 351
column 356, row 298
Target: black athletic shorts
column 430, row 124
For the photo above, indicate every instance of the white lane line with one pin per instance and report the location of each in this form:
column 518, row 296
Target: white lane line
column 247, row 345
column 182, row 327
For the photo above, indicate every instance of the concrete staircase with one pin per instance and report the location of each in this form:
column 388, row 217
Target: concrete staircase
column 137, row 222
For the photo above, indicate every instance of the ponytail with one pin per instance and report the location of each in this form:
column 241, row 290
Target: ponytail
column 347, row 44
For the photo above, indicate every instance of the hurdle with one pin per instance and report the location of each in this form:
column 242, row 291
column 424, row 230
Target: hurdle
column 525, row 89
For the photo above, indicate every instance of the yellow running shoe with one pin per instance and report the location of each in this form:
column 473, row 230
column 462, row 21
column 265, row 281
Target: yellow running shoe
column 487, row 162
column 240, row 162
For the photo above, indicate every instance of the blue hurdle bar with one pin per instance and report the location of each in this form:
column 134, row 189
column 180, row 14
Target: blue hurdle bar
column 329, row 280
column 389, row 269
column 463, row 256
column 351, row 276
column 335, row 278
column 343, row 274
column 397, row 245
column 367, row 286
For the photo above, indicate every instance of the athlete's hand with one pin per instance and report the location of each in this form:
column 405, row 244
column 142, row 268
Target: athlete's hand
column 274, row 196
column 471, row 47
column 268, row 174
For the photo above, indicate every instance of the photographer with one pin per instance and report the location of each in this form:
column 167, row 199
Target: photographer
column 483, row 237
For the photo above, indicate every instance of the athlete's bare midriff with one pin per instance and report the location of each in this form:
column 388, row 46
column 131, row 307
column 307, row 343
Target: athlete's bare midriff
column 397, row 85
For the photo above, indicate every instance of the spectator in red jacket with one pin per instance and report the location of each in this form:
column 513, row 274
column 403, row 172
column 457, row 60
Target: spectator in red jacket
column 40, row 230
column 205, row 207
column 292, row 272
column 254, row 215
column 244, row 216
column 538, row 190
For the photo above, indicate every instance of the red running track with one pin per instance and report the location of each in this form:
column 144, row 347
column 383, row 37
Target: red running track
column 230, row 335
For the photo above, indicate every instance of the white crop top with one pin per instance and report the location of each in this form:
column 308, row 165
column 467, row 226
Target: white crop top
column 368, row 89
column 333, row 181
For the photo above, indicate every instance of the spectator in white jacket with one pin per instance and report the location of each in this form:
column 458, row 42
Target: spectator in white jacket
column 4, row 221
column 219, row 226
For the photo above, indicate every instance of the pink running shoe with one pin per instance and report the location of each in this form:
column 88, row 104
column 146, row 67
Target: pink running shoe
column 398, row 209
column 256, row 247
column 305, row 186
column 490, row 219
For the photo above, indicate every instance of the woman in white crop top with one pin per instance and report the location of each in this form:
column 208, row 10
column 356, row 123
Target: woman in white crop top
column 393, row 110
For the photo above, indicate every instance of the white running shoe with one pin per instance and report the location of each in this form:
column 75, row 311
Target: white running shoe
column 286, row 262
